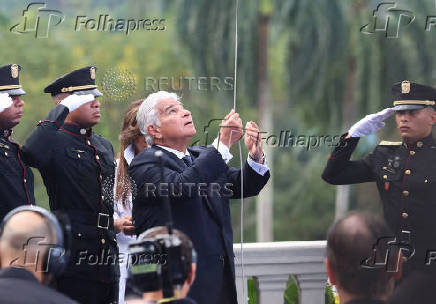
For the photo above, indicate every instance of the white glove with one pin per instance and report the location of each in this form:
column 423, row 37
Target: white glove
column 5, row 101
column 370, row 123
column 73, row 101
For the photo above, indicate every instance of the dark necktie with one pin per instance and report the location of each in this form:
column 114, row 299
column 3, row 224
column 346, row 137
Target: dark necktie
column 187, row 160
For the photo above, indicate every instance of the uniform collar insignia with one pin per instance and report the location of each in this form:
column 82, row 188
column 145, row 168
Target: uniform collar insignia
column 77, row 130
column 6, row 133
column 425, row 142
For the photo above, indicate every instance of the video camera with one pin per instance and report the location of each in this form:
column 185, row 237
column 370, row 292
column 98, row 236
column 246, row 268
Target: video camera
column 160, row 261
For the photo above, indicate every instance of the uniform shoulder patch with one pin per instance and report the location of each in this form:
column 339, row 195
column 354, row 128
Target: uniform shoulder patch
column 390, row 143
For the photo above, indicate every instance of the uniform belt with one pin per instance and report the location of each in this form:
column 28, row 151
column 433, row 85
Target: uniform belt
column 100, row 220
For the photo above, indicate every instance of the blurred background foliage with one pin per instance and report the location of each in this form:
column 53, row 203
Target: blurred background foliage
column 320, row 74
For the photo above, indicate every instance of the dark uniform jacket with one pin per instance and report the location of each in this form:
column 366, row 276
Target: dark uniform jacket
column 205, row 219
column 16, row 178
column 78, row 170
column 18, row 286
column 406, row 180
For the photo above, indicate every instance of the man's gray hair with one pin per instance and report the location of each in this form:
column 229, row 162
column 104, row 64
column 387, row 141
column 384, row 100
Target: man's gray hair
column 147, row 114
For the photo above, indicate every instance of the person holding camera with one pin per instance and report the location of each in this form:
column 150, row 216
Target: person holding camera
column 162, row 262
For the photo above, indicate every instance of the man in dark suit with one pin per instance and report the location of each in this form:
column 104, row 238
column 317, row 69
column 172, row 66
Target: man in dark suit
column 16, row 178
column 353, row 263
column 199, row 184
column 75, row 164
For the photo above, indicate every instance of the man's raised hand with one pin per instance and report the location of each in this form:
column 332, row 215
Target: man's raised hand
column 231, row 129
column 253, row 140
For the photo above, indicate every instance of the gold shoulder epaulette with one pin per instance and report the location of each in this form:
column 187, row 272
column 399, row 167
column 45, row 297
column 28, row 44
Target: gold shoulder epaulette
column 390, row 143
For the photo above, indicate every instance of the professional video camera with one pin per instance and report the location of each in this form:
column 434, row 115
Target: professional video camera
column 160, row 262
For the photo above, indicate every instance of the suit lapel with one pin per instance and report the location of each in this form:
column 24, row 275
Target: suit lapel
column 210, row 203
column 178, row 163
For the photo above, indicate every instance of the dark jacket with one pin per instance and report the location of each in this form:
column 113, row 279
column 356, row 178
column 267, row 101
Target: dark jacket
column 18, row 286
column 16, row 178
column 406, row 181
column 78, row 171
column 204, row 217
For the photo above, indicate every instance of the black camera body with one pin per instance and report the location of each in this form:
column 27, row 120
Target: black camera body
column 158, row 263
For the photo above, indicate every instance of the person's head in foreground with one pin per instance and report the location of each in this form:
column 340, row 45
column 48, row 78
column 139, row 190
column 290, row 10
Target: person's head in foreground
column 11, row 104
column 187, row 262
column 30, row 238
column 350, row 242
column 77, row 90
column 414, row 106
column 164, row 121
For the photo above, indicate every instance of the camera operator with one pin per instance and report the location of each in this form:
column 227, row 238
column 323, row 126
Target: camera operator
column 32, row 252
column 163, row 264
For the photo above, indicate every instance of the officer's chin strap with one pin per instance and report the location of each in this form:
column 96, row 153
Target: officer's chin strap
column 240, row 153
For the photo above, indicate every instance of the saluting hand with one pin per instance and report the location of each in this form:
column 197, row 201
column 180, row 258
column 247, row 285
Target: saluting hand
column 370, row 123
column 253, row 141
column 73, row 101
column 5, row 101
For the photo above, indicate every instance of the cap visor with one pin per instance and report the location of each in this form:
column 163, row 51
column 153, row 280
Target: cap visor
column 94, row 92
column 408, row 107
column 14, row 92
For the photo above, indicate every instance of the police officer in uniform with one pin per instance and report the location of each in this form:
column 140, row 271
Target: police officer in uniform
column 16, row 179
column 405, row 172
column 76, row 164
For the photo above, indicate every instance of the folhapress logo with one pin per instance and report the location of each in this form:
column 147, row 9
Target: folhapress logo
column 38, row 19
column 388, row 19
column 388, row 251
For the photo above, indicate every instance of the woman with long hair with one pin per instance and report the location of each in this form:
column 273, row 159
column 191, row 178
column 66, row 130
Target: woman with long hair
column 132, row 143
